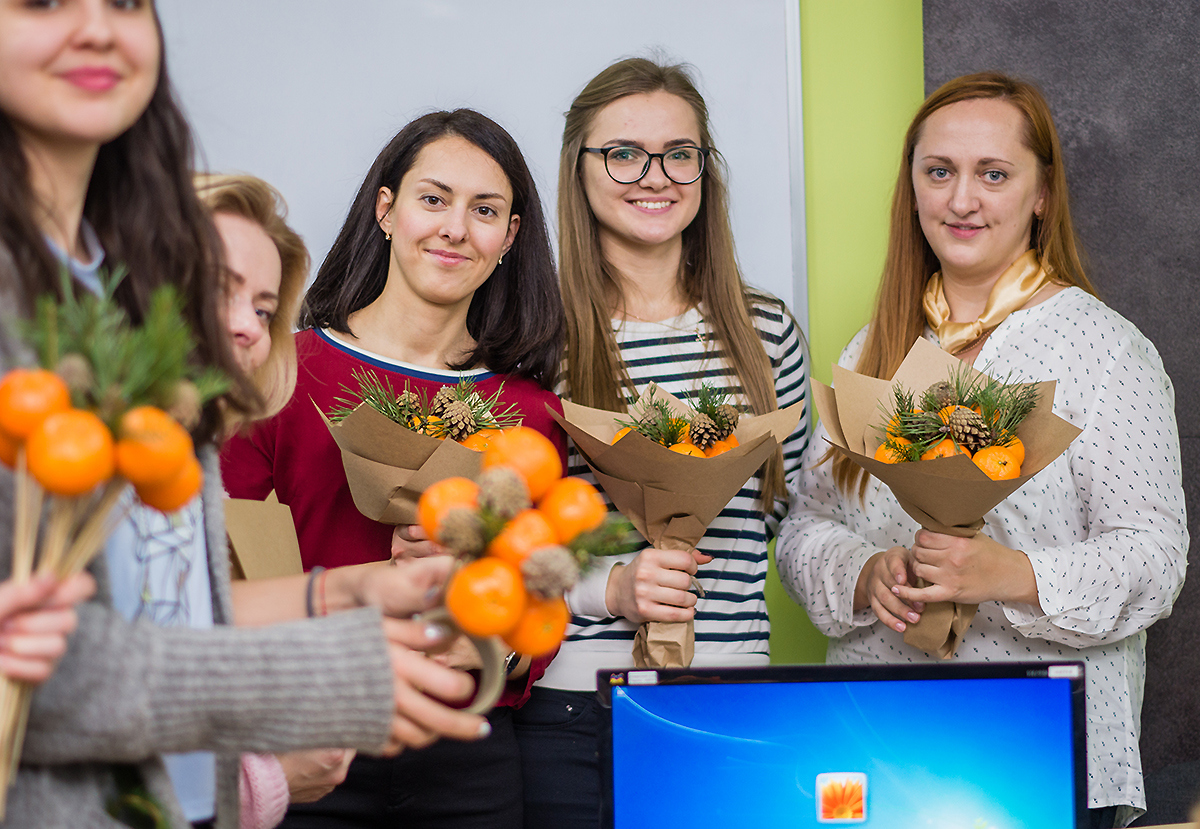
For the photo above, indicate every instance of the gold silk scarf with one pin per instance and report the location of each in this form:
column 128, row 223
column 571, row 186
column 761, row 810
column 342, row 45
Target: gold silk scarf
column 1015, row 287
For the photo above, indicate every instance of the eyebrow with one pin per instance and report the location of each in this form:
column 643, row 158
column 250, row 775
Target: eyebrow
column 446, row 188
column 237, row 277
column 629, row 142
column 982, row 161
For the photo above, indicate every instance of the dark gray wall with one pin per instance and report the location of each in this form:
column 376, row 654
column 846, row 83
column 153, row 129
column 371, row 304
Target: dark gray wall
column 1123, row 80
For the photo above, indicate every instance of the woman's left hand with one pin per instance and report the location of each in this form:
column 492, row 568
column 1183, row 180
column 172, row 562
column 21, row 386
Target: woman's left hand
column 968, row 570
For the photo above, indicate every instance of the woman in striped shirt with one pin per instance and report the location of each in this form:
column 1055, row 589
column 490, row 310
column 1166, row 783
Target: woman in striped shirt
column 654, row 294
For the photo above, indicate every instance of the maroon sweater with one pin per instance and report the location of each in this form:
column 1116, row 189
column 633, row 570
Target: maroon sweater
column 294, row 455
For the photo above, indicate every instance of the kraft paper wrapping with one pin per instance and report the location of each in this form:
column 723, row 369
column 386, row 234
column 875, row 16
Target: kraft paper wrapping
column 389, row 466
column 945, row 495
column 670, row 498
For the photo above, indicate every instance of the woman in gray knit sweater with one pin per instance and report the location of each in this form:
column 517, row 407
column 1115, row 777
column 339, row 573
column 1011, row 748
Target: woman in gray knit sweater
column 95, row 168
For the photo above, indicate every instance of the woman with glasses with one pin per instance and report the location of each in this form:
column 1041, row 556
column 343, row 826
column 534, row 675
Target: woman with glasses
column 653, row 294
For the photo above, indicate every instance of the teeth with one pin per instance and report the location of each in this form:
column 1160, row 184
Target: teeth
column 652, row 205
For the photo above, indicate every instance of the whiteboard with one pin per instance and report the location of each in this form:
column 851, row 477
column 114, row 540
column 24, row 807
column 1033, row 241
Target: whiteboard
column 304, row 93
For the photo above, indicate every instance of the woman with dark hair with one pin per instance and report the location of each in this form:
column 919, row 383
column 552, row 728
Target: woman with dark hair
column 654, row 293
column 441, row 271
column 982, row 260
column 94, row 168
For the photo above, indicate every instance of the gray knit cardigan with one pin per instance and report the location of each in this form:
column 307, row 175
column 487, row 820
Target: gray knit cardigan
column 126, row 693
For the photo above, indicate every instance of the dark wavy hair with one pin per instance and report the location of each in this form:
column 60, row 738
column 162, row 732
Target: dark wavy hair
column 516, row 316
column 145, row 212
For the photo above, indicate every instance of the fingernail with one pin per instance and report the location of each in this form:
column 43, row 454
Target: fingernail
column 436, row 631
column 912, row 617
column 432, row 593
column 900, row 626
column 485, row 729
column 895, row 590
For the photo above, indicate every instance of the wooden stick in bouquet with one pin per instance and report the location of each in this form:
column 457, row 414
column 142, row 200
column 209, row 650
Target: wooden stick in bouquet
column 670, row 497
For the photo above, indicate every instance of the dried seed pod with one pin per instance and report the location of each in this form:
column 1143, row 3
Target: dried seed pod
column 943, row 394
column 969, row 429
column 185, row 404
column 445, row 395
column 550, row 571
column 462, row 531
column 76, row 372
column 703, row 431
column 502, row 492
column 458, row 420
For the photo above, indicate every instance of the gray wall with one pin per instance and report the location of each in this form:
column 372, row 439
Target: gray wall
column 1123, row 80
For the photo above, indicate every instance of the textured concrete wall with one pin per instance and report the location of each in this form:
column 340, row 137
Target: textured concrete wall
column 1123, row 80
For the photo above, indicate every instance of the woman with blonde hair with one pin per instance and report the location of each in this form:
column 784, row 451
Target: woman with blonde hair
column 982, row 260
column 653, row 293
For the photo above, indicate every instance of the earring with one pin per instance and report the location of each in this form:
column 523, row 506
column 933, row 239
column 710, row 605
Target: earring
column 500, row 261
column 387, row 236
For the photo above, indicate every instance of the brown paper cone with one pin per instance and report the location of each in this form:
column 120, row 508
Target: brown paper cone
column 389, row 466
column 947, row 495
column 664, row 645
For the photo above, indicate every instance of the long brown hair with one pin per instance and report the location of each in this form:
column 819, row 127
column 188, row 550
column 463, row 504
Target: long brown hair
column 899, row 318
column 709, row 274
column 257, row 201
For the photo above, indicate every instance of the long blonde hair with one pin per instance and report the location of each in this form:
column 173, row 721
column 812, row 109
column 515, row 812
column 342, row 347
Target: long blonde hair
column 709, row 274
column 255, row 200
column 899, row 318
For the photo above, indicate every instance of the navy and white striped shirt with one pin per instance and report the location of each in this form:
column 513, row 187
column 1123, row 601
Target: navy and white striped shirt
column 732, row 627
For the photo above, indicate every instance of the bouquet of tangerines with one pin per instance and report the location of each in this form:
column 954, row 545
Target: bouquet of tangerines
column 394, row 445
column 106, row 407
column 523, row 534
column 665, row 469
column 949, row 455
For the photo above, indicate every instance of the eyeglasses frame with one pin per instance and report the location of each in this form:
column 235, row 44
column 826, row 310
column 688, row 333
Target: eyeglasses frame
column 604, row 151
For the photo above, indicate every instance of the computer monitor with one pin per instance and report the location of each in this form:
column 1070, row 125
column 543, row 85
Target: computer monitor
column 945, row 746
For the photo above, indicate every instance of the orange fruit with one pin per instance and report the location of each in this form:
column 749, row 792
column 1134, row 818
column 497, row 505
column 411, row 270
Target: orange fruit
column 719, row 447
column 442, row 496
column 27, row 397
column 687, row 449
column 433, row 425
column 8, row 449
column 885, row 454
column 71, row 452
column 998, row 463
column 732, row 440
column 177, row 492
column 685, row 430
column 1017, row 448
column 527, row 531
column 893, row 426
column 478, row 441
column 152, row 446
column 541, row 627
column 572, row 506
column 622, row 433
column 530, row 454
column 486, row 597
column 945, row 449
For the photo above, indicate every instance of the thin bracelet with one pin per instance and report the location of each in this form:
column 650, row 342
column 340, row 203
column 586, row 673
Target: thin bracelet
column 308, row 591
column 324, row 577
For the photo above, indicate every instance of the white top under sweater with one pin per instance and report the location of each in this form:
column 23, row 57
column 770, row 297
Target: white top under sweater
column 1103, row 526
column 731, row 620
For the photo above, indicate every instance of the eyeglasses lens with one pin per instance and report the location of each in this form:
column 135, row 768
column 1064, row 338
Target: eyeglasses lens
column 682, row 165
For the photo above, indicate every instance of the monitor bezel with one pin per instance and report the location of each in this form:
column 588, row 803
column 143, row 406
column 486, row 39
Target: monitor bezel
column 1073, row 671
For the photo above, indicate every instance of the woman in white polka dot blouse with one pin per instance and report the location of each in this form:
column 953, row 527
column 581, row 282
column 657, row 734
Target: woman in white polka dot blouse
column 1090, row 552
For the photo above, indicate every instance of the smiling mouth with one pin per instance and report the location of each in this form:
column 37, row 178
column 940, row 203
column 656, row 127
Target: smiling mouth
column 963, row 230
column 447, row 256
column 92, row 78
column 652, row 205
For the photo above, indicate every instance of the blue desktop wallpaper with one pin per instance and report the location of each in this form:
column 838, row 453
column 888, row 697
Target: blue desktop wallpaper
column 944, row 754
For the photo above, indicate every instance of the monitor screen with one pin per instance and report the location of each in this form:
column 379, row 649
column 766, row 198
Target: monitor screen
column 947, row 746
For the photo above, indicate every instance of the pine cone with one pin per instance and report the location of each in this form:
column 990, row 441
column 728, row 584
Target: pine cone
column 969, row 429
column 76, row 372
column 703, row 431
column 458, row 420
column 550, row 571
column 502, row 492
column 462, row 531
column 943, row 392
column 727, row 420
column 445, row 395
column 408, row 400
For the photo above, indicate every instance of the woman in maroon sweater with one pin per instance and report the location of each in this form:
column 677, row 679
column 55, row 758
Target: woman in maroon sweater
column 442, row 269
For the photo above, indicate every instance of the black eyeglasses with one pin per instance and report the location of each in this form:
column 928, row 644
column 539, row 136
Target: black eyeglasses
column 626, row 165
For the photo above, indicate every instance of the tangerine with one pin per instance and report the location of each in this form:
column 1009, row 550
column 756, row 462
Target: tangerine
column 732, row 440
column 152, row 447
column 8, row 449
column 71, row 452
column 530, row 454
column 719, row 447
column 998, row 463
column 945, row 449
column 541, row 627
column 572, row 506
column 478, row 441
column 527, row 531
column 486, row 597
column 887, row 454
column 689, row 449
column 1017, row 448
column 622, row 433
column 27, row 397
column 946, row 411
column 442, row 496
column 175, row 493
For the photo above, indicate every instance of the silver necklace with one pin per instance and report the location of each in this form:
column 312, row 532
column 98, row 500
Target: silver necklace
column 696, row 330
